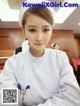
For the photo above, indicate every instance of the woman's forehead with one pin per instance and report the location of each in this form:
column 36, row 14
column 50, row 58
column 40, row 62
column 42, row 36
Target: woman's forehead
column 34, row 20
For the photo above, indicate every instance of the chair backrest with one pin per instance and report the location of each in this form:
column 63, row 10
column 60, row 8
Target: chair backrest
column 18, row 50
column 1, row 68
column 75, row 62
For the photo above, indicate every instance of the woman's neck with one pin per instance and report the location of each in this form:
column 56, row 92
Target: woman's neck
column 36, row 53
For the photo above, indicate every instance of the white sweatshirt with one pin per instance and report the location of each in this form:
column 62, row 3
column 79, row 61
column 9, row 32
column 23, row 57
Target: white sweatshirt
column 51, row 78
column 25, row 45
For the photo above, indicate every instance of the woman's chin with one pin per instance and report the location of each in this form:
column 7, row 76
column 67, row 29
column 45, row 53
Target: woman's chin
column 38, row 48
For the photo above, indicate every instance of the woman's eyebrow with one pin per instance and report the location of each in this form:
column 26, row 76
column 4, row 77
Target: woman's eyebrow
column 36, row 26
column 46, row 26
column 31, row 26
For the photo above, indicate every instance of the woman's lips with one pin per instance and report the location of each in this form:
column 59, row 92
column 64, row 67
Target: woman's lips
column 38, row 43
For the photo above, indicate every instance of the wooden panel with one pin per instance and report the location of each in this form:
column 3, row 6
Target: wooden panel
column 77, row 40
column 10, row 39
column 6, row 53
column 5, row 43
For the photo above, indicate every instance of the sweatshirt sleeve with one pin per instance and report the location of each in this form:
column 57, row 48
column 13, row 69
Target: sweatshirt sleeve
column 7, row 76
column 68, row 93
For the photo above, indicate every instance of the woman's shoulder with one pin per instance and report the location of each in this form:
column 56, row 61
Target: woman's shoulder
column 16, row 58
column 57, row 56
column 55, row 52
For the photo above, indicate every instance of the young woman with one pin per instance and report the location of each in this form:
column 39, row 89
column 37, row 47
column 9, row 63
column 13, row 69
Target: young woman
column 46, row 72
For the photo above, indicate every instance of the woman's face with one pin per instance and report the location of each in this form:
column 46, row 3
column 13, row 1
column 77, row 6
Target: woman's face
column 37, row 31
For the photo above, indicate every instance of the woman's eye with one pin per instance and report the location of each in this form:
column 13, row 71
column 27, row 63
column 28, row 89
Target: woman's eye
column 32, row 30
column 46, row 30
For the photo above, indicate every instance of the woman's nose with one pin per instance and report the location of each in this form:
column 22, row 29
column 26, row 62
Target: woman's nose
column 39, row 36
